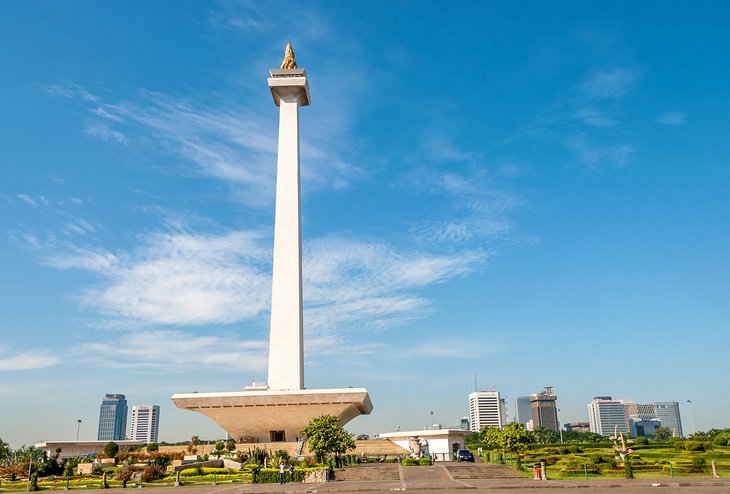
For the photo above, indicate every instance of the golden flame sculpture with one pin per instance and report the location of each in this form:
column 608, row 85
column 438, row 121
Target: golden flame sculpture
column 289, row 61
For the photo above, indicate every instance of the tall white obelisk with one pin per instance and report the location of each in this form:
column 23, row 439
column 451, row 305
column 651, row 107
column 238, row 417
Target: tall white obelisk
column 281, row 409
column 286, row 341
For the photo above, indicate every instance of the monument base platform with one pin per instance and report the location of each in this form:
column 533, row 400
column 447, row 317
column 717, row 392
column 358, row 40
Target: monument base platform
column 272, row 415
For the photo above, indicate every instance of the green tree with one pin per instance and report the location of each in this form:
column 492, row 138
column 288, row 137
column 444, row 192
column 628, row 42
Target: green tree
column 219, row 446
column 490, row 436
column 663, row 433
column 152, row 447
column 231, row 445
column 6, row 455
column 325, row 436
column 472, row 438
column 515, row 437
column 111, row 449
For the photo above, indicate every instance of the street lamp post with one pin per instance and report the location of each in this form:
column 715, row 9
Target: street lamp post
column 560, row 428
column 691, row 419
column 78, row 429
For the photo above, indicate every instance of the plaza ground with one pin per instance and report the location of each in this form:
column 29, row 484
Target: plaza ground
column 451, row 477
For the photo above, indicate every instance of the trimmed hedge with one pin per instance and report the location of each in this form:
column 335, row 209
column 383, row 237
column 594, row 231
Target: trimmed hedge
column 271, row 475
column 192, row 472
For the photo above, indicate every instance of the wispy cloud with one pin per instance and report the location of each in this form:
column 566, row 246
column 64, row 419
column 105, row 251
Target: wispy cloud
column 16, row 360
column 176, row 351
column 223, row 140
column 177, row 278
column 587, row 121
column 613, row 83
column 595, row 155
column 104, row 132
column 192, row 279
column 672, row 118
column 32, row 201
column 477, row 209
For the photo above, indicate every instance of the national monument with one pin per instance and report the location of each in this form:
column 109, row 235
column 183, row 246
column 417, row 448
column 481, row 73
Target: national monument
column 280, row 408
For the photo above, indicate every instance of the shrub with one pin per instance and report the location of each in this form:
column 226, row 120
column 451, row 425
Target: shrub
column 425, row 461
column 697, row 445
column 153, row 472
column 409, row 462
column 271, row 475
column 33, row 482
column 595, row 458
column 722, row 439
column 640, row 441
column 199, row 471
column 125, row 475
column 628, row 469
column 699, row 464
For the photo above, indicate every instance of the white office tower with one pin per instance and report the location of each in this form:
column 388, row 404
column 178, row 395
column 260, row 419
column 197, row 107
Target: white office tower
column 145, row 423
column 607, row 416
column 486, row 408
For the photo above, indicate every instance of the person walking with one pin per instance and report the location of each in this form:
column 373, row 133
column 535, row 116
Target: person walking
column 282, row 474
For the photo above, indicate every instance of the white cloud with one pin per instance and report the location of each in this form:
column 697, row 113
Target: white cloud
column 104, row 132
column 27, row 199
column 176, row 351
column 611, row 84
column 593, row 155
column 594, row 118
column 225, row 140
column 188, row 279
column 11, row 360
column 672, row 118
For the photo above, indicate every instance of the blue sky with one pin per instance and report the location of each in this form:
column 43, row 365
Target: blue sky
column 535, row 192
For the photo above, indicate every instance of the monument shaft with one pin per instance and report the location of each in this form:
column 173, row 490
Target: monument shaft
column 286, row 348
column 286, row 339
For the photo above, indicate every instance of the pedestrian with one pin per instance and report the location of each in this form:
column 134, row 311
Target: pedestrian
column 282, row 475
column 291, row 473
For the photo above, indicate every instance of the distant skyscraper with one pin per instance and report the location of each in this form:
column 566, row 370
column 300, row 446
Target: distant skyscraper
column 112, row 418
column 145, row 423
column 486, row 408
column 545, row 410
column 607, row 416
column 523, row 409
column 578, row 427
column 668, row 413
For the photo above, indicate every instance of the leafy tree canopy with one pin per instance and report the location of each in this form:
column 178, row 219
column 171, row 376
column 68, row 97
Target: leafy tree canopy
column 663, row 433
column 325, row 436
column 514, row 437
column 5, row 453
column 111, row 449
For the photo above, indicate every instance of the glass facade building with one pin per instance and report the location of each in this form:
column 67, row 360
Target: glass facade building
column 113, row 418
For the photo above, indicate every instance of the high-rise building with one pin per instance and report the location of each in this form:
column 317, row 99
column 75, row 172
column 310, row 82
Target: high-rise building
column 544, row 409
column 523, row 410
column 668, row 413
column 112, row 418
column 145, row 423
column 486, row 408
column 607, row 416
column 578, row 427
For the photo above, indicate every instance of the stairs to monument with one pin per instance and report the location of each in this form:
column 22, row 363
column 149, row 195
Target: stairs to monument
column 369, row 471
column 299, row 449
column 379, row 447
column 460, row 471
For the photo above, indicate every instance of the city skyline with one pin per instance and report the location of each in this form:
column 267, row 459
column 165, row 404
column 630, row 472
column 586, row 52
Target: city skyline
column 543, row 204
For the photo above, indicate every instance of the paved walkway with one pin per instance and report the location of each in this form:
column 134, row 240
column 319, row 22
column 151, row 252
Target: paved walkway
column 456, row 479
